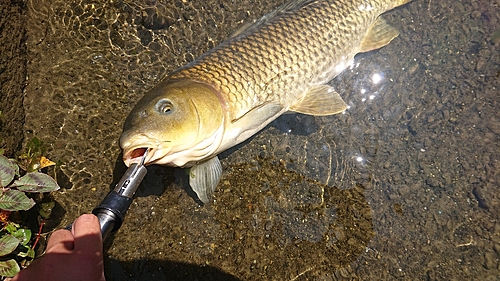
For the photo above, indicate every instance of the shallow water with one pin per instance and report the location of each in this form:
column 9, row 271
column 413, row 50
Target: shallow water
column 403, row 185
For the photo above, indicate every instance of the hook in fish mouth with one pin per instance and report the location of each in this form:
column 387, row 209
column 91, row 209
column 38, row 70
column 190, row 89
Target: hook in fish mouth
column 138, row 155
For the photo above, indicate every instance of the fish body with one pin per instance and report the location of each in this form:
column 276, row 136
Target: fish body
column 280, row 63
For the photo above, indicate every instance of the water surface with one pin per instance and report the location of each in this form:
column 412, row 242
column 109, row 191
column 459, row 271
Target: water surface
column 403, row 185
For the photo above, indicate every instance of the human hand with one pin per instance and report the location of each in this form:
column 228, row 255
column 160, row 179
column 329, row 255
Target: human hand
column 70, row 255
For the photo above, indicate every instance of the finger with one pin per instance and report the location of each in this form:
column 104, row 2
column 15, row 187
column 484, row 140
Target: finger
column 87, row 233
column 60, row 242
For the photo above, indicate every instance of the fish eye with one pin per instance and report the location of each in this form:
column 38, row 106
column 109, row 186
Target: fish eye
column 164, row 106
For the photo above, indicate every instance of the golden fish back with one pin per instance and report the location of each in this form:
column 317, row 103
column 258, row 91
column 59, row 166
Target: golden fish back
column 279, row 59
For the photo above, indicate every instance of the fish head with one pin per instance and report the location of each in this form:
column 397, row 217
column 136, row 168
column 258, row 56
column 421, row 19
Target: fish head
column 178, row 122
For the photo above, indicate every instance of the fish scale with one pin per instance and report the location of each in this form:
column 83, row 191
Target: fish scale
column 281, row 59
column 282, row 62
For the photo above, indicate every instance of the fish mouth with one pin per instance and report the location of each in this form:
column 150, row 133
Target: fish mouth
column 135, row 155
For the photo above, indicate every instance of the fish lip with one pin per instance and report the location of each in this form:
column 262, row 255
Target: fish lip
column 135, row 155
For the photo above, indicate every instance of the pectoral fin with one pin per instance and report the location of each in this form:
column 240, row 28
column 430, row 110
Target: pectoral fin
column 258, row 115
column 254, row 120
column 378, row 35
column 204, row 177
column 320, row 100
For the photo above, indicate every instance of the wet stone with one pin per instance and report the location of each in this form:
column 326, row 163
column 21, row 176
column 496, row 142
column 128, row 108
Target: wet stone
column 490, row 260
column 433, row 182
column 481, row 198
column 404, row 190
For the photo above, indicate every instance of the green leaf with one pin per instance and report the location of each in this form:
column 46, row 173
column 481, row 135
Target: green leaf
column 9, row 268
column 22, row 254
column 15, row 166
column 30, row 253
column 25, row 252
column 45, row 209
column 11, row 227
column 7, row 171
column 24, row 235
column 36, row 182
column 8, row 244
column 15, row 200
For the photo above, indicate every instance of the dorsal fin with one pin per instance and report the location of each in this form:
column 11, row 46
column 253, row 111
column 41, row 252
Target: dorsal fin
column 287, row 7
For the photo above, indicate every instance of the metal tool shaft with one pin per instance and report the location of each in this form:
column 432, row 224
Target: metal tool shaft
column 111, row 211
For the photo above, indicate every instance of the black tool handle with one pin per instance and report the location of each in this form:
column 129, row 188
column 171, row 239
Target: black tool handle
column 111, row 211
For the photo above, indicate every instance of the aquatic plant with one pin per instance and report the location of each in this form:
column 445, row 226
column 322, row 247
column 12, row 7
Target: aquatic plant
column 16, row 246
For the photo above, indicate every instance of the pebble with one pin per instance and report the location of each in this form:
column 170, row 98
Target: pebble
column 476, row 14
column 432, row 181
column 447, row 178
column 404, row 190
column 494, row 126
column 490, row 260
column 482, row 200
column 480, row 64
